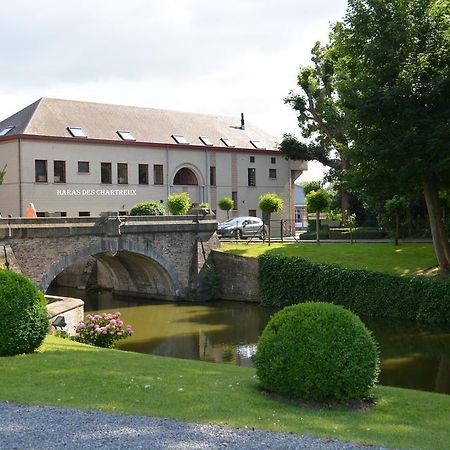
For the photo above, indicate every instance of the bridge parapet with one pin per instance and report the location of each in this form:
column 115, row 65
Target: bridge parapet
column 17, row 228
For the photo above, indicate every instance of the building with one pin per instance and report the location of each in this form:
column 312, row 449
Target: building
column 301, row 216
column 78, row 159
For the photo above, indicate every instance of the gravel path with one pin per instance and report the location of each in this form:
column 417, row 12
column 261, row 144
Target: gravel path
column 42, row 427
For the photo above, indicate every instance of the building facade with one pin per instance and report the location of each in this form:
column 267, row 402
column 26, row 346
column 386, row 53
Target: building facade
column 73, row 158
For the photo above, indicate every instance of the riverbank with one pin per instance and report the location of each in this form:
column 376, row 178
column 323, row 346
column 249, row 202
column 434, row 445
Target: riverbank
column 67, row 374
column 404, row 259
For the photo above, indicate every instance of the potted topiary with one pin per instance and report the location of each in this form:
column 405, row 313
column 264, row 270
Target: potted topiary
column 150, row 208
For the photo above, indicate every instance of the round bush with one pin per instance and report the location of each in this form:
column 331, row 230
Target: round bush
column 317, row 352
column 179, row 204
column 23, row 315
column 150, row 208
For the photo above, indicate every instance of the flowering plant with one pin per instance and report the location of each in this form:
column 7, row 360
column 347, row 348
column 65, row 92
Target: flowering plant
column 102, row 330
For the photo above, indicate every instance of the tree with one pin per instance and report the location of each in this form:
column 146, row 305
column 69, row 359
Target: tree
column 393, row 65
column 322, row 120
column 269, row 204
column 395, row 208
column 317, row 202
column 350, row 222
column 179, row 204
column 309, row 186
column 226, row 204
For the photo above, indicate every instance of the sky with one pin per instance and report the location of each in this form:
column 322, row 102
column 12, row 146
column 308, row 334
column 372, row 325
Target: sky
column 207, row 56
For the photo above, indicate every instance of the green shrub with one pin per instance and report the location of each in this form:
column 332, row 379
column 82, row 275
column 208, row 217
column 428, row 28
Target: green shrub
column 179, row 204
column 366, row 293
column 226, row 204
column 150, row 208
column 23, row 315
column 317, row 352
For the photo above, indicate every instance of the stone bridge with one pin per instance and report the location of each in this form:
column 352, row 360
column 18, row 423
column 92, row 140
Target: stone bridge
column 155, row 256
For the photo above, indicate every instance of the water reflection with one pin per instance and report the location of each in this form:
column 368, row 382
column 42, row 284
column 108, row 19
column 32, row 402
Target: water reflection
column 412, row 356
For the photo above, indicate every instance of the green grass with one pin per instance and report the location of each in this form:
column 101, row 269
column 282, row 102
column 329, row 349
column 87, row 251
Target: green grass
column 404, row 259
column 65, row 373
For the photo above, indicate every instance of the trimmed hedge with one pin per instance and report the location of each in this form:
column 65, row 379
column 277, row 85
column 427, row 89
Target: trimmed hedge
column 317, row 352
column 290, row 280
column 23, row 314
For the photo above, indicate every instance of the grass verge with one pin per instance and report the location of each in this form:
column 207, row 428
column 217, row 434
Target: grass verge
column 65, row 373
column 404, row 259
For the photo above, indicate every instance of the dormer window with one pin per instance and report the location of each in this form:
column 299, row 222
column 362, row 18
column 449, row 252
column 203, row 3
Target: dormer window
column 180, row 139
column 5, row 131
column 126, row 135
column 227, row 142
column 77, row 132
column 258, row 144
column 206, row 141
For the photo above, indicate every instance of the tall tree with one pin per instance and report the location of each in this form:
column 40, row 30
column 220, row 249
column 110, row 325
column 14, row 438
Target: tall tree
column 321, row 118
column 394, row 81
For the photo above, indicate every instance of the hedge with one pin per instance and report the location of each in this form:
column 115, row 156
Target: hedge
column 366, row 293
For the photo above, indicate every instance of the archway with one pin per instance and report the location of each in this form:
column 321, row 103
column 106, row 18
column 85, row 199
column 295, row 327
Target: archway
column 185, row 177
column 125, row 269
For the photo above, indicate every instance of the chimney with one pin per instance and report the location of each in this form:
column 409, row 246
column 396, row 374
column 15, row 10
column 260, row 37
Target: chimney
column 242, row 122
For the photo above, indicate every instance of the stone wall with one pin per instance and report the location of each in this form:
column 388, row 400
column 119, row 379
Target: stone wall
column 72, row 309
column 238, row 277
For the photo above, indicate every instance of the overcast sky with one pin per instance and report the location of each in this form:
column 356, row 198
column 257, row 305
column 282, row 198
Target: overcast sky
column 210, row 56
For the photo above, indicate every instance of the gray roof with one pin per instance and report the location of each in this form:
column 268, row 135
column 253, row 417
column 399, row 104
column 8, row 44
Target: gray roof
column 51, row 117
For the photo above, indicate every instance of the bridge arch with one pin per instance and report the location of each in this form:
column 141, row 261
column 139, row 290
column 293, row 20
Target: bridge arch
column 132, row 267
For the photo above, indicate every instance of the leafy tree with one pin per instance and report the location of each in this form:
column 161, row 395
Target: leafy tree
column 270, row 203
column 179, row 204
column 226, row 204
column 317, row 202
column 150, row 208
column 309, row 186
column 395, row 208
column 393, row 61
column 322, row 120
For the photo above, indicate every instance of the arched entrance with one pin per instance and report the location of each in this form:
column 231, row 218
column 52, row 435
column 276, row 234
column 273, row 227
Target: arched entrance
column 185, row 177
column 188, row 179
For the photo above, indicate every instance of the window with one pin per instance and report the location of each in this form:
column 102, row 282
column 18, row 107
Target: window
column 252, row 212
column 234, row 197
column 252, row 159
column 272, row 173
column 180, row 139
column 251, row 176
column 83, row 166
column 126, row 136
column 84, row 213
column 77, row 132
column 212, row 175
column 106, row 176
column 227, row 142
column 205, row 140
column 63, row 214
column 258, row 144
column 5, row 131
column 122, row 173
column 143, row 173
column 158, row 177
column 273, row 160
column 123, row 213
column 41, row 214
column 40, row 171
column 59, row 171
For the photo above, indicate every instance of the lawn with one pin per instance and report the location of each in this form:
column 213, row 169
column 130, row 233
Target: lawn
column 404, row 259
column 65, row 373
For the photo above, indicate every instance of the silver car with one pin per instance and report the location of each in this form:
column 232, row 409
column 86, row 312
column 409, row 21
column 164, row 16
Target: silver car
column 242, row 227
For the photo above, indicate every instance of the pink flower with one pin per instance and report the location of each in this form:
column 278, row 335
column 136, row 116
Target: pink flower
column 81, row 325
column 98, row 330
column 119, row 333
column 105, row 331
column 112, row 322
column 120, row 323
